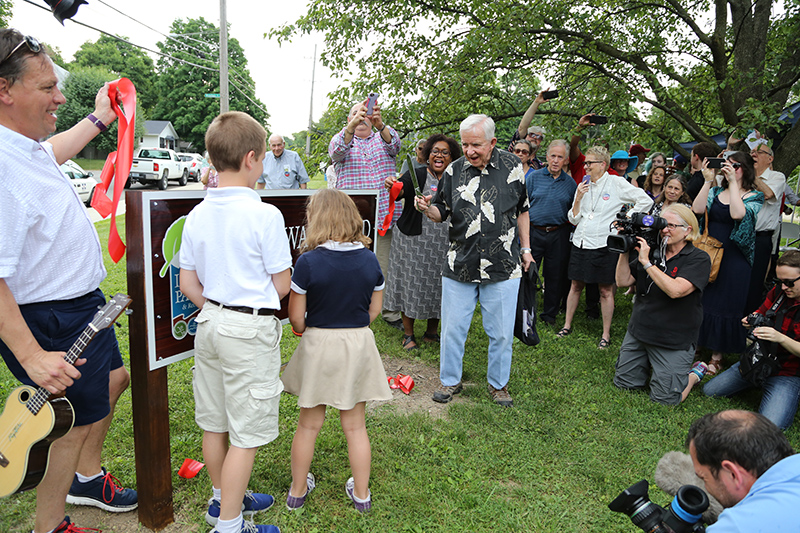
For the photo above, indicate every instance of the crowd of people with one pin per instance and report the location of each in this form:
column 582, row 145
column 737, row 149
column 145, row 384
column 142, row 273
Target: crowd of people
column 475, row 218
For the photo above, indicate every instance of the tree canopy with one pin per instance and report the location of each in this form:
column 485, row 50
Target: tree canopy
column 124, row 60
column 191, row 71
column 677, row 70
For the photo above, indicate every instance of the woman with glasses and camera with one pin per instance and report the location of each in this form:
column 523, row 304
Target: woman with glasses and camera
column 669, row 290
column 414, row 280
column 598, row 199
column 732, row 208
column 782, row 390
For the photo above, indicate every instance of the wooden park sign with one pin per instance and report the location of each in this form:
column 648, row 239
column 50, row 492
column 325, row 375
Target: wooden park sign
column 162, row 324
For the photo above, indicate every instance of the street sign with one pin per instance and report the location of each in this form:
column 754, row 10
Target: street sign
column 211, row 95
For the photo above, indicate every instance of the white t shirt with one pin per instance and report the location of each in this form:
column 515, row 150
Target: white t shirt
column 236, row 242
column 49, row 249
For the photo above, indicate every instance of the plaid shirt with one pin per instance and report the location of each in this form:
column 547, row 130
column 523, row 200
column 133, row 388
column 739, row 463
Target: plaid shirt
column 790, row 364
column 365, row 164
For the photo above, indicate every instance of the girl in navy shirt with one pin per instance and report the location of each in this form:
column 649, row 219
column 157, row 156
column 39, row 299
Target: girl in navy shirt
column 337, row 291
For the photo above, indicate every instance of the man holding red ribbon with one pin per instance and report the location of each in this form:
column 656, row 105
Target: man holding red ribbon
column 51, row 266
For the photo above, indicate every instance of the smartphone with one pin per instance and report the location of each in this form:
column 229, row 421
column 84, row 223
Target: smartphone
column 715, row 162
column 598, row 119
column 586, row 178
column 549, row 95
column 372, row 99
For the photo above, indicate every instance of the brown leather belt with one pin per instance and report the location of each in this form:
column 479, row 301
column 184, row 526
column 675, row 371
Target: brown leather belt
column 243, row 309
column 548, row 229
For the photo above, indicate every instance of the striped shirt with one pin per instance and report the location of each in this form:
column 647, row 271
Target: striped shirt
column 550, row 197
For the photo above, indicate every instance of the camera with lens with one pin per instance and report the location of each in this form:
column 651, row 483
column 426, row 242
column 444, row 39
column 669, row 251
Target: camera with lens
column 642, row 225
column 682, row 516
column 755, row 320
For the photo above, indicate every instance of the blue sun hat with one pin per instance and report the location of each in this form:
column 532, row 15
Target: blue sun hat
column 632, row 159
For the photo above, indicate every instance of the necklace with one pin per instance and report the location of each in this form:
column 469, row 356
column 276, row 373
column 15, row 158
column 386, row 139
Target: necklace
column 592, row 200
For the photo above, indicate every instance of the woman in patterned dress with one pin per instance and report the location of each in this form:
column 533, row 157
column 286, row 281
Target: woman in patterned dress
column 414, row 281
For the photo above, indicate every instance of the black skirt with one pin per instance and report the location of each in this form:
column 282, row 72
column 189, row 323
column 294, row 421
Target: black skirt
column 593, row 266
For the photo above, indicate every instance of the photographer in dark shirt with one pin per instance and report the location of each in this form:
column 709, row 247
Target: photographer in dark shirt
column 667, row 311
column 781, row 391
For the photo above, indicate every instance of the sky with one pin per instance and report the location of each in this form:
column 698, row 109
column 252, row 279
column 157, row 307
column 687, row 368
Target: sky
column 282, row 74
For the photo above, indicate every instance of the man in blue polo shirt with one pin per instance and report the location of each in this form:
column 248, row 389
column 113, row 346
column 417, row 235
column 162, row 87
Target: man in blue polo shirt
column 550, row 192
column 749, row 466
column 283, row 169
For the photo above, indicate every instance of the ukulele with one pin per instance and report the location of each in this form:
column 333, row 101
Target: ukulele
column 32, row 421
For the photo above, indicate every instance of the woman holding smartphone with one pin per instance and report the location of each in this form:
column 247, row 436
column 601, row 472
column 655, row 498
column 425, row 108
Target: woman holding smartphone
column 732, row 208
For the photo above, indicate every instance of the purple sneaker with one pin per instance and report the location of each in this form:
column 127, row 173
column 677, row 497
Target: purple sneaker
column 294, row 503
column 361, row 507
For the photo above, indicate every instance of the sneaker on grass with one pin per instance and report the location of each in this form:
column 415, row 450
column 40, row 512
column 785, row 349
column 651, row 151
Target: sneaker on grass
column 501, row 396
column 253, row 502
column 294, row 503
column 68, row 527
column 104, row 492
column 446, row 392
column 362, row 506
column 249, row 527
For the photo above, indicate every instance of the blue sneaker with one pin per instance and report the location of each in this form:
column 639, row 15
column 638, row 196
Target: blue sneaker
column 104, row 492
column 253, row 502
column 249, row 527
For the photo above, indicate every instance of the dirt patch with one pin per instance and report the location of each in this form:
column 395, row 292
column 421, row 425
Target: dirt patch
column 426, row 381
column 83, row 516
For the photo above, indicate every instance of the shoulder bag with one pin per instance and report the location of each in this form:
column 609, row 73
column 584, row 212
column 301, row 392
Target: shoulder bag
column 711, row 246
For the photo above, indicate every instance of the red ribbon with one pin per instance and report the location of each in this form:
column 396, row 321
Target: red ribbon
column 403, row 382
column 394, row 192
column 118, row 164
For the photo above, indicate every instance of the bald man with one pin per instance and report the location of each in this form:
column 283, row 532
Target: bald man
column 283, row 169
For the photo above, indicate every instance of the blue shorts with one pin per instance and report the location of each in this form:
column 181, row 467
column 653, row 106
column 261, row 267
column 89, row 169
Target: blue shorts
column 56, row 325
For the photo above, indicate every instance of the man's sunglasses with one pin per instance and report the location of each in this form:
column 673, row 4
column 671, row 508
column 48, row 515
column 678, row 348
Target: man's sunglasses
column 789, row 282
column 32, row 44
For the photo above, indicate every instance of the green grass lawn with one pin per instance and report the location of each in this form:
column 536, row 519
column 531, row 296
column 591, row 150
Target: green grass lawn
column 551, row 463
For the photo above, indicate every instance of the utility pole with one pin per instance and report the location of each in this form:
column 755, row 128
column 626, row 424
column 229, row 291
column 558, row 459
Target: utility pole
column 311, row 103
column 224, row 93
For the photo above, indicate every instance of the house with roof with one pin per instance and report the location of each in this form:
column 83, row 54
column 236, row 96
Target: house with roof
column 159, row 134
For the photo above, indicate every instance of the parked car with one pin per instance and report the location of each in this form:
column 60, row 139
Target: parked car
column 194, row 163
column 84, row 182
column 155, row 166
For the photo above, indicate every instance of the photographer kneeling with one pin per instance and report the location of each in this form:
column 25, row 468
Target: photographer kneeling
column 782, row 390
column 667, row 311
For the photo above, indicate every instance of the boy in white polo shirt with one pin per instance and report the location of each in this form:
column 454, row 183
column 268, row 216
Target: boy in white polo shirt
column 235, row 263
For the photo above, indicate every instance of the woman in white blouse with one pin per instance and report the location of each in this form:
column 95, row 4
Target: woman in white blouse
column 597, row 201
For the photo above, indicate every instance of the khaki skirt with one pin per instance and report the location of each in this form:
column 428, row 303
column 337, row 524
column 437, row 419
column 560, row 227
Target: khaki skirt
column 336, row 367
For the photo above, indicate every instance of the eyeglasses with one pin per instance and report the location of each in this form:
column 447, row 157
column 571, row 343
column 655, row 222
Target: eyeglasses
column 671, row 226
column 526, row 152
column 536, row 136
column 789, row 282
column 32, row 44
column 735, row 166
column 756, row 152
column 440, row 152
column 590, row 163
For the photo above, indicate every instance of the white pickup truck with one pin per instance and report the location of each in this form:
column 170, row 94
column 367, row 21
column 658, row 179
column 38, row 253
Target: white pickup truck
column 156, row 166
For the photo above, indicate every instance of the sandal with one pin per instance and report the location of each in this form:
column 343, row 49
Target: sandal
column 714, row 366
column 431, row 337
column 603, row 344
column 409, row 340
column 563, row 332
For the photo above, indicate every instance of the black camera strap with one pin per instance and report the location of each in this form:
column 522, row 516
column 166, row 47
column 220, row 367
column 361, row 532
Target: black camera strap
column 777, row 319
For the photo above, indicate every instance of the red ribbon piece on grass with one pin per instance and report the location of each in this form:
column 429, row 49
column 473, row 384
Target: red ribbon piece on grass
column 403, row 382
column 118, row 164
column 190, row 468
column 394, row 192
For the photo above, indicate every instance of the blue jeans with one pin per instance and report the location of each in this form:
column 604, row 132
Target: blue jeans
column 498, row 309
column 779, row 402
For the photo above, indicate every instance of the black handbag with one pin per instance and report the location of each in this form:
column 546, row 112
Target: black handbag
column 759, row 360
column 525, row 325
